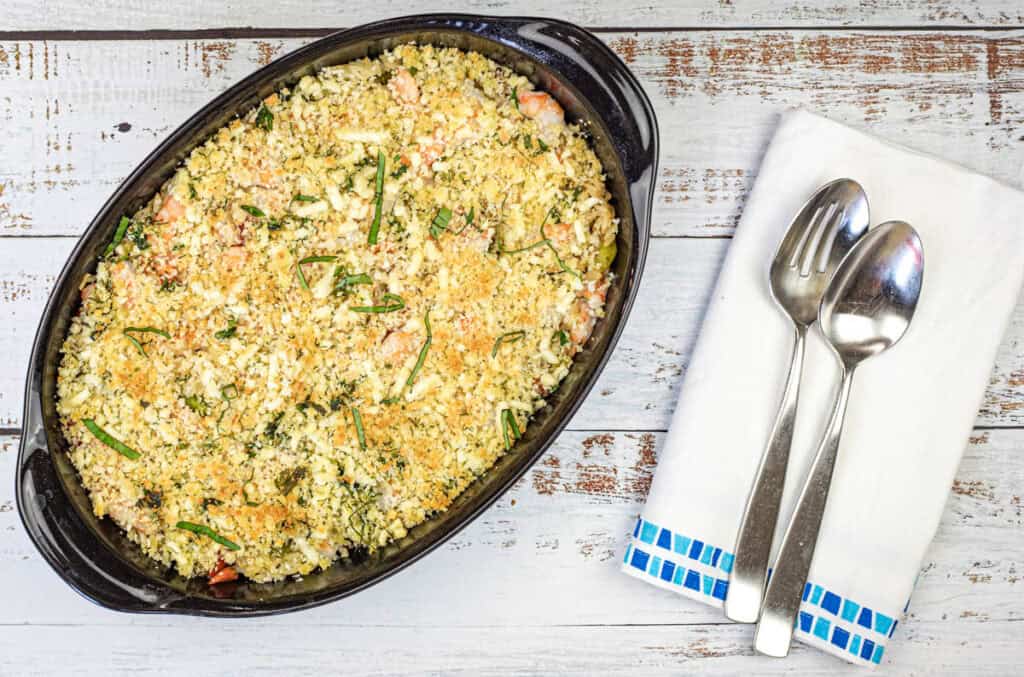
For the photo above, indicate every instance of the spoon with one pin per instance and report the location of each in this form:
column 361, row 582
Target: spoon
column 820, row 235
column 866, row 310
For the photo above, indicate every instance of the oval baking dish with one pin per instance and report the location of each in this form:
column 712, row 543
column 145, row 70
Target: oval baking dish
column 94, row 557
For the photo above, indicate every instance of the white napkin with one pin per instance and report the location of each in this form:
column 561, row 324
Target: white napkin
column 911, row 409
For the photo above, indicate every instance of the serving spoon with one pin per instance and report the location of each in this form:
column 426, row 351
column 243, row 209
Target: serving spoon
column 865, row 310
column 820, row 235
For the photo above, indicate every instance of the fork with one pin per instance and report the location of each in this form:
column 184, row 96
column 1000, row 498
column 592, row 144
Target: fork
column 822, row 233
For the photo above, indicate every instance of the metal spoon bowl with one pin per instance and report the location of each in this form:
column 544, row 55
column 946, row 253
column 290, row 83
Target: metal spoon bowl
column 865, row 310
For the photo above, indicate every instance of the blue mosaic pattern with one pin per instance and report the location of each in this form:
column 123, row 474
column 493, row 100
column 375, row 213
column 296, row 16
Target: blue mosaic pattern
column 825, row 615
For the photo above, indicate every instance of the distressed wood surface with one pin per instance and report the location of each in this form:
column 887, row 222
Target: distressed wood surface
column 88, row 112
column 639, row 386
column 192, row 14
column 531, row 587
column 542, row 566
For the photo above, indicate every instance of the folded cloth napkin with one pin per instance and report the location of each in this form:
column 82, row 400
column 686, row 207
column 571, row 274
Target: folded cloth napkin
column 911, row 409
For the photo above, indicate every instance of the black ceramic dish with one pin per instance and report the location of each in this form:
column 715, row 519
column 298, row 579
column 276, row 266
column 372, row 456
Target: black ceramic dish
column 94, row 557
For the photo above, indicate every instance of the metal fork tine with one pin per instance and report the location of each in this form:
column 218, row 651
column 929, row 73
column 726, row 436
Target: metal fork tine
column 825, row 248
column 811, row 248
column 794, row 260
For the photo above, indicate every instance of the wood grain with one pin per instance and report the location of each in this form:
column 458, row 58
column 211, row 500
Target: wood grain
column 542, row 566
column 637, row 391
column 88, row 112
column 191, row 14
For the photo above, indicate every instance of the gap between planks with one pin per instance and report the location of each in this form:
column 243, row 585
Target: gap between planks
column 246, row 33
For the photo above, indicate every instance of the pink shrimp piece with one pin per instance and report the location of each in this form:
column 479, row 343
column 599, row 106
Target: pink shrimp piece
column 580, row 330
column 87, row 291
column 430, row 151
column 398, row 346
column 228, row 233
column 541, row 107
column 170, row 211
column 235, row 258
column 560, row 234
column 403, row 86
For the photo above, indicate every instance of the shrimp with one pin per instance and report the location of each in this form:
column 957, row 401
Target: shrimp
column 235, row 258
column 590, row 299
column 398, row 346
column 87, row 291
column 221, row 573
column 403, row 86
column 559, row 233
column 541, row 107
column 124, row 282
column 171, row 210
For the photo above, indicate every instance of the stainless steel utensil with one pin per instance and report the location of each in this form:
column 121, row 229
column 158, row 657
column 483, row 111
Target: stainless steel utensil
column 822, row 233
column 866, row 309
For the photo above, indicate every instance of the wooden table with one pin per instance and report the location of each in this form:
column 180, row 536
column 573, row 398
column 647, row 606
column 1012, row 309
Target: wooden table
column 87, row 89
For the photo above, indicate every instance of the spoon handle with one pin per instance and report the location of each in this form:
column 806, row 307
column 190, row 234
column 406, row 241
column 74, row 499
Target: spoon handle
column 754, row 543
column 786, row 582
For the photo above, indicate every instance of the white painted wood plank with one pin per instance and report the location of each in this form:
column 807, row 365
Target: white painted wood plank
column 88, row 112
column 190, row 14
column 237, row 648
column 533, row 586
column 637, row 391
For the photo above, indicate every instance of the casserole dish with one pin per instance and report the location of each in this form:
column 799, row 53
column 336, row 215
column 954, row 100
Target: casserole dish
column 94, row 557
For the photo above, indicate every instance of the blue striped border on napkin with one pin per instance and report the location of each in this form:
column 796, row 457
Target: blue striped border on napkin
column 699, row 569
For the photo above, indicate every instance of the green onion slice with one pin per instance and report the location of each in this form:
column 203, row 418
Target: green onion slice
column 255, row 211
column 509, row 425
column 122, row 228
column 299, row 197
column 563, row 338
column 470, row 215
column 229, row 392
column 440, row 223
column 378, row 199
column 358, row 420
column 225, row 334
column 423, row 351
column 396, row 303
column 112, row 442
column 310, row 259
column 204, row 530
column 145, row 330
column 507, row 337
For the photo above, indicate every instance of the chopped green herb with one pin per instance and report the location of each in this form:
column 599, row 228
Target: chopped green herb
column 122, row 226
column 515, row 98
column 168, row 285
column 264, row 118
column 107, row 439
column 402, row 169
column 396, row 303
column 470, row 215
column 273, row 224
column 204, row 530
column 346, row 389
column 423, row 351
column 378, row 199
column 310, row 259
column 508, row 424
column 288, row 479
column 197, row 404
column 357, row 419
column 440, row 222
column 229, row 392
column 541, row 146
column 192, row 194
column 508, row 337
column 137, row 234
column 563, row 338
column 225, row 334
column 561, row 263
column 307, row 404
column 255, row 211
column 207, row 502
column 528, row 141
column 299, row 197
column 275, row 423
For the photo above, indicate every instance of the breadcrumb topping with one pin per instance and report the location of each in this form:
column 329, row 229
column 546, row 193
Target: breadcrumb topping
column 339, row 312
